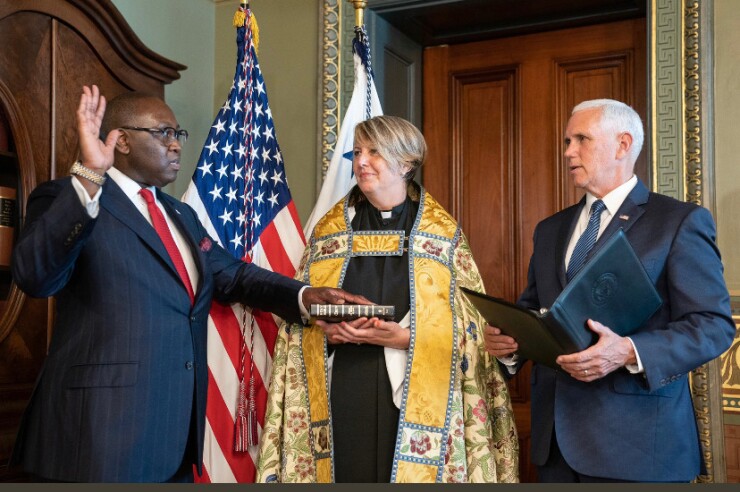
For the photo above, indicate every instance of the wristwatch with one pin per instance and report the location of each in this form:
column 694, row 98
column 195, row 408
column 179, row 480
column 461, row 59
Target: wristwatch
column 79, row 170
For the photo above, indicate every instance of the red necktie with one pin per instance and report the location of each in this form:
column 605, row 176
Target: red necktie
column 160, row 225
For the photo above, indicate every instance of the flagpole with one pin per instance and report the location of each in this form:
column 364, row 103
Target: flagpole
column 360, row 6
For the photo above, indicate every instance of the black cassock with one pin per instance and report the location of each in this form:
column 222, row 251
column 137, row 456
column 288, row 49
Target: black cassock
column 364, row 418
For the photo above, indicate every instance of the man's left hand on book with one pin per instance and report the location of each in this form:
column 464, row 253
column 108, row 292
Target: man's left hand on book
column 607, row 355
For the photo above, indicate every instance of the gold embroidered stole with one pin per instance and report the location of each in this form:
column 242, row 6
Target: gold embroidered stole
column 432, row 357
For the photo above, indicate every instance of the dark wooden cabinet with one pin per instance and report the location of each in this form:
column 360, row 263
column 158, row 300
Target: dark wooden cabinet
column 49, row 49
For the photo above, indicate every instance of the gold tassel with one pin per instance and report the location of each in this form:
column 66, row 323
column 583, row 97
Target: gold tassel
column 239, row 18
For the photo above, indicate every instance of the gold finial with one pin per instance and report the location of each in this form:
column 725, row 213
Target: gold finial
column 360, row 6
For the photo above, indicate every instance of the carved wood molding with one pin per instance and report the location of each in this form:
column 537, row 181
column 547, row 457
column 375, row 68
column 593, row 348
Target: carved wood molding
column 107, row 32
column 22, row 140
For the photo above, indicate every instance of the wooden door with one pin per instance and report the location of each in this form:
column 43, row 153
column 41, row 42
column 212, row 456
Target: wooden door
column 494, row 117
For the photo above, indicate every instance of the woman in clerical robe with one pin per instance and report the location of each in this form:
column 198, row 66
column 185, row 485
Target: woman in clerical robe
column 413, row 399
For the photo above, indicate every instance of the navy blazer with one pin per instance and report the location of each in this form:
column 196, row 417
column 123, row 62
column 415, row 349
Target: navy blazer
column 638, row 427
column 127, row 360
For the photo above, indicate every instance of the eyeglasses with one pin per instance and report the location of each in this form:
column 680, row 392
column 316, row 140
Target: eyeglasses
column 167, row 134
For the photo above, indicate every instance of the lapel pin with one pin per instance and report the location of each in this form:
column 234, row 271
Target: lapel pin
column 624, row 217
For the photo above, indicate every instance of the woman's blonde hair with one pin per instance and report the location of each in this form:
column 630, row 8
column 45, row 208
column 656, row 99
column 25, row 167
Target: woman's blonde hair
column 397, row 141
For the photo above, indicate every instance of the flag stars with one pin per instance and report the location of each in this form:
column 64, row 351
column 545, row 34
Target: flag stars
column 219, row 126
column 268, row 134
column 212, row 147
column 242, row 84
column 268, row 112
column 237, row 173
column 237, row 241
column 255, row 132
column 227, row 150
column 273, row 199
column 256, row 219
column 266, row 155
column 225, row 217
column 231, row 195
column 205, row 168
column 263, row 176
column 241, row 151
column 277, row 177
column 260, row 198
column 222, row 171
column 232, row 128
column 227, row 106
column 278, row 157
column 237, row 106
column 216, row 193
column 253, row 154
column 241, row 218
column 258, row 111
column 260, row 87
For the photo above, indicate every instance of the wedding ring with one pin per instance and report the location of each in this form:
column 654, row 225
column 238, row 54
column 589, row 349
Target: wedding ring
column 585, row 371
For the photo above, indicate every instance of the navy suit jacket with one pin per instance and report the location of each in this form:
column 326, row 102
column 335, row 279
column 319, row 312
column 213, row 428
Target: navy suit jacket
column 638, row 427
column 127, row 365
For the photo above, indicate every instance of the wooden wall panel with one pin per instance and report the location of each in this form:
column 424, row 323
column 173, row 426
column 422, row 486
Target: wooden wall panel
column 484, row 168
column 732, row 452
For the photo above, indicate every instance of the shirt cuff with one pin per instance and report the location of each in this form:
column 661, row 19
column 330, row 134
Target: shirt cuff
column 510, row 361
column 305, row 315
column 635, row 368
column 92, row 205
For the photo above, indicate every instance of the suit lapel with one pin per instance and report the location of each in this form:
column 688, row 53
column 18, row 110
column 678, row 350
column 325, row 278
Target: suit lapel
column 115, row 201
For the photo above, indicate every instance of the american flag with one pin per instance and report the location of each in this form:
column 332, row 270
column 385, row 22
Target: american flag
column 363, row 104
column 240, row 192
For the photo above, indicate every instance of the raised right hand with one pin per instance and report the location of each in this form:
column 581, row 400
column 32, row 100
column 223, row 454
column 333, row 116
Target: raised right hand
column 96, row 155
column 498, row 344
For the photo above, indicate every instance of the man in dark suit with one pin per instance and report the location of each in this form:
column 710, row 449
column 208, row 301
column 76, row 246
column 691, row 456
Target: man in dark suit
column 621, row 410
column 122, row 394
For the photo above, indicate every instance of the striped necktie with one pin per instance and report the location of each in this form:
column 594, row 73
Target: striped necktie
column 586, row 241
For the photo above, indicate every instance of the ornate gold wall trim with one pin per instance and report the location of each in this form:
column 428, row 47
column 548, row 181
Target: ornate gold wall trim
column 666, row 100
column 330, row 84
column 692, row 99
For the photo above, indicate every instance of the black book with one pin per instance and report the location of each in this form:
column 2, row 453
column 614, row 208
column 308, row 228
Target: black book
column 347, row 312
column 612, row 288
